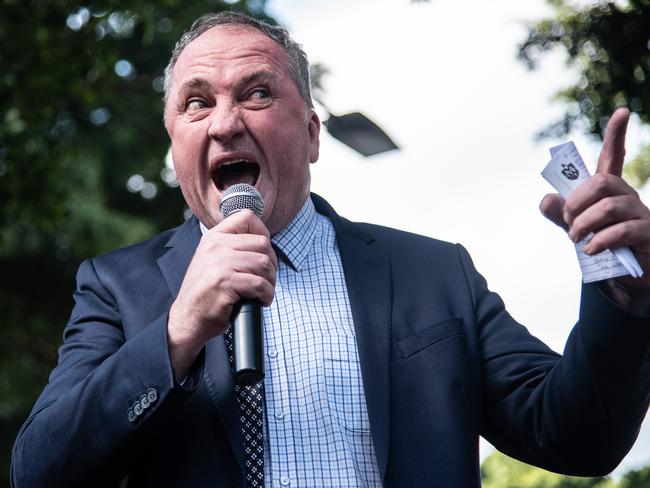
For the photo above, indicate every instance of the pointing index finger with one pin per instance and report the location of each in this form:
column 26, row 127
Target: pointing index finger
column 613, row 152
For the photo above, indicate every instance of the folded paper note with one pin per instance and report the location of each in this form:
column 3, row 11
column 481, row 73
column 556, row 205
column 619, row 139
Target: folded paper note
column 565, row 171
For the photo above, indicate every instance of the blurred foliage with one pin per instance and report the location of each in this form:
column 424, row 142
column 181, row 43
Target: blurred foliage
column 500, row 471
column 317, row 74
column 608, row 45
column 636, row 479
column 80, row 116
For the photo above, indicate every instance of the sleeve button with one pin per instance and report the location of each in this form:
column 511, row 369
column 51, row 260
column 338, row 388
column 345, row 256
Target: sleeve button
column 152, row 395
column 137, row 408
column 144, row 401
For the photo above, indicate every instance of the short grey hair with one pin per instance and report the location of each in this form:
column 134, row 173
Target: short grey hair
column 297, row 64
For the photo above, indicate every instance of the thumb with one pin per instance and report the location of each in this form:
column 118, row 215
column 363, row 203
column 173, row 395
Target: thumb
column 613, row 152
column 552, row 207
column 242, row 222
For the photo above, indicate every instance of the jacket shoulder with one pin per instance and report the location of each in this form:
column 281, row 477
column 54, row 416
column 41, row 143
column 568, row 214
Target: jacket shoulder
column 409, row 243
column 145, row 254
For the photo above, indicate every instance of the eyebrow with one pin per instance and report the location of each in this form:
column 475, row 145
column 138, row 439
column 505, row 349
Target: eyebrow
column 200, row 84
column 194, row 84
column 256, row 77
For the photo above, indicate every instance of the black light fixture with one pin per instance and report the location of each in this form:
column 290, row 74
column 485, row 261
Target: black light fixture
column 358, row 132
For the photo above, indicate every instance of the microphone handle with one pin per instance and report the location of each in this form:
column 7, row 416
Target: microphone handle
column 248, row 342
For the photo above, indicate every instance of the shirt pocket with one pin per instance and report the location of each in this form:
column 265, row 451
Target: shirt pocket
column 344, row 385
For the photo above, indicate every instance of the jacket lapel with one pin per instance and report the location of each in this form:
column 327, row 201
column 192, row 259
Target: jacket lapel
column 218, row 377
column 181, row 246
column 367, row 274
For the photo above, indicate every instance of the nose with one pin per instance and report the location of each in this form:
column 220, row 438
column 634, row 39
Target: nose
column 226, row 123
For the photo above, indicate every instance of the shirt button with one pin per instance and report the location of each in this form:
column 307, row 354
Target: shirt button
column 279, row 415
column 285, row 481
column 273, row 352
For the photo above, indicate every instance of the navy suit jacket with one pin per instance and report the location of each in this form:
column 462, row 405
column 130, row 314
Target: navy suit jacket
column 441, row 360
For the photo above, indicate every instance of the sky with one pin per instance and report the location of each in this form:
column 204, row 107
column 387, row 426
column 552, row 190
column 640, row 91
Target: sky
column 441, row 78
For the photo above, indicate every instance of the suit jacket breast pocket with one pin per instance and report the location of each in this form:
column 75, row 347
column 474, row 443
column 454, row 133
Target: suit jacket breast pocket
column 430, row 336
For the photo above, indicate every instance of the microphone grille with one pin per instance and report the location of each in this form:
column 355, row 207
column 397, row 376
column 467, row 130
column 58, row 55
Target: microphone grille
column 241, row 196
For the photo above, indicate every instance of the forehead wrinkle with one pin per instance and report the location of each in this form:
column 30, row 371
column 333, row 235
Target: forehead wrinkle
column 200, row 84
column 204, row 54
column 212, row 47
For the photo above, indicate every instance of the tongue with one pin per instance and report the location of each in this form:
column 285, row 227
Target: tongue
column 237, row 173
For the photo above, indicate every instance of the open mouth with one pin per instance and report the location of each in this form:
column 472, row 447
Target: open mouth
column 236, row 171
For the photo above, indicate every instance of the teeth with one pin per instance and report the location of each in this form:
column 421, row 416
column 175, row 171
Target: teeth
column 233, row 161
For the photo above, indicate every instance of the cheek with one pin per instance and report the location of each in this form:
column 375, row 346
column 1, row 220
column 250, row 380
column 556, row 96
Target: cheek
column 181, row 166
column 187, row 153
column 189, row 178
column 291, row 146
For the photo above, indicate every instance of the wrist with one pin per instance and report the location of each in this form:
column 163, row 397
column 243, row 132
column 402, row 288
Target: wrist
column 184, row 346
column 633, row 300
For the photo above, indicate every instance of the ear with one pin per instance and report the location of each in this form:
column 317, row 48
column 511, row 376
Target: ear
column 168, row 123
column 313, row 127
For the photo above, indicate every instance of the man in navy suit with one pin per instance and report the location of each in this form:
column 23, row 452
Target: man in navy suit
column 423, row 360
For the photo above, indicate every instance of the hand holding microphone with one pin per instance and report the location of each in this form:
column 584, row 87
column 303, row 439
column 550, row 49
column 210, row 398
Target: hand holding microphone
column 246, row 321
column 234, row 264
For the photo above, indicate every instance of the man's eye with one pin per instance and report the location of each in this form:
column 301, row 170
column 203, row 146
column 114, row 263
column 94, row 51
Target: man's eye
column 260, row 94
column 195, row 104
column 258, row 98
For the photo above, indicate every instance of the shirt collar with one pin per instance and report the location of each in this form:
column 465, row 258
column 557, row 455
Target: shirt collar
column 295, row 241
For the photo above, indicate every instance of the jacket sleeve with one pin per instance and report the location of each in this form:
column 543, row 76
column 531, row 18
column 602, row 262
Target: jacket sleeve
column 578, row 413
column 102, row 397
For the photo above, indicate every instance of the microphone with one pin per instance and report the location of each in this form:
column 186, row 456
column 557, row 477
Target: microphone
column 246, row 318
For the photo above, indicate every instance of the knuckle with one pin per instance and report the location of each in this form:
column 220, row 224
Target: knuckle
column 568, row 214
column 633, row 201
column 600, row 181
column 224, row 303
column 264, row 241
column 609, row 207
column 259, row 284
column 265, row 261
column 599, row 178
column 627, row 229
column 615, row 235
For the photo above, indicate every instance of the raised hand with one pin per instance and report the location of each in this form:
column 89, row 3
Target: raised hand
column 610, row 208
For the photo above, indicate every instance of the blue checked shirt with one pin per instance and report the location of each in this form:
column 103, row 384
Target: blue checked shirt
column 316, row 429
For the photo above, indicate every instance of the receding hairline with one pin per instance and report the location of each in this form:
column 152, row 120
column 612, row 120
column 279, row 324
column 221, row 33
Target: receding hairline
column 295, row 59
column 257, row 74
column 237, row 28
